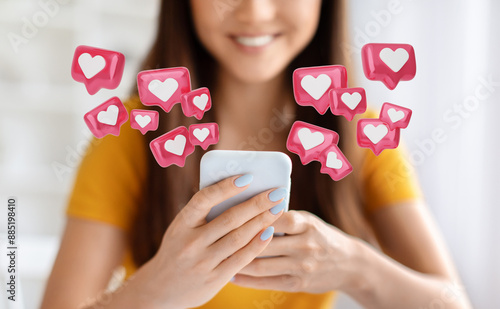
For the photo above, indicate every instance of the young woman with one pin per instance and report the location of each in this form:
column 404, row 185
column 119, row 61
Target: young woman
column 368, row 235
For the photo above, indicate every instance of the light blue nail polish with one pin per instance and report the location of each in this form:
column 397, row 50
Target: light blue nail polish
column 243, row 180
column 267, row 233
column 278, row 194
column 276, row 209
column 232, row 279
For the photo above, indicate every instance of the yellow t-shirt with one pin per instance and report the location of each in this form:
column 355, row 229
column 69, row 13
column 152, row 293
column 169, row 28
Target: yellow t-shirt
column 107, row 189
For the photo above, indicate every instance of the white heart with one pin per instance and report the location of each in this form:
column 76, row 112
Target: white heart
column 91, row 65
column 109, row 116
column 142, row 121
column 316, row 87
column 351, row 100
column 332, row 161
column 310, row 140
column 176, row 145
column 375, row 133
column 395, row 115
column 395, row 60
column 163, row 90
column 201, row 134
column 201, row 101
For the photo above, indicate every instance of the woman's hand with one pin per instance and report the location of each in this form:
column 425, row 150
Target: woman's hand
column 196, row 259
column 312, row 257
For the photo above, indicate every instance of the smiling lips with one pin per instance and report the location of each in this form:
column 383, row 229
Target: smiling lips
column 254, row 41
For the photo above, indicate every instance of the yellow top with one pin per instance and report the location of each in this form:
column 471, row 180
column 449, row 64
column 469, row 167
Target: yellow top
column 107, row 189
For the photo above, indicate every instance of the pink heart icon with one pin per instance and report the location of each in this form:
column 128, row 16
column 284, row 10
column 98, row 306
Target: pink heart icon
column 204, row 134
column 348, row 102
column 389, row 63
column 311, row 85
column 97, row 68
column 308, row 140
column 144, row 120
column 395, row 116
column 376, row 135
column 196, row 103
column 107, row 118
column 163, row 87
column 334, row 163
column 172, row 147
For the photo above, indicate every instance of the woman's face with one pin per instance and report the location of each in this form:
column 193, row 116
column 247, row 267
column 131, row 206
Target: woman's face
column 255, row 40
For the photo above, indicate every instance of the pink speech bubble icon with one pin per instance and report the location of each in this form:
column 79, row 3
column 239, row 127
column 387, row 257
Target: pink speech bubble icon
column 311, row 85
column 376, row 135
column 395, row 116
column 308, row 140
column 389, row 63
column 97, row 68
column 348, row 102
column 172, row 147
column 196, row 103
column 334, row 163
column 144, row 120
column 204, row 134
column 163, row 87
column 107, row 118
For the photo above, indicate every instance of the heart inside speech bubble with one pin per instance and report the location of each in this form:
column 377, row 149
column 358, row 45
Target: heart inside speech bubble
column 351, row 100
column 201, row 134
column 332, row 161
column 375, row 133
column 395, row 115
column 316, row 87
column 109, row 116
column 309, row 139
column 91, row 65
column 394, row 59
column 142, row 121
column 176, row 146
column 163, row 90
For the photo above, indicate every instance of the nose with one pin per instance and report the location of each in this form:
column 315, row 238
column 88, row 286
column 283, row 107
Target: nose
column 254, row 11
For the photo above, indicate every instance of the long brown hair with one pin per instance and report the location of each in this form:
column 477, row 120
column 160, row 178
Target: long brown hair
column 168, row 190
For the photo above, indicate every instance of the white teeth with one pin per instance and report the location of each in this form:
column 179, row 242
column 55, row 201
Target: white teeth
column 255, row 41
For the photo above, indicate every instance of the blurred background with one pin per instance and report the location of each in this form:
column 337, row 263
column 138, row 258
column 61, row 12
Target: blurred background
column 452, row 138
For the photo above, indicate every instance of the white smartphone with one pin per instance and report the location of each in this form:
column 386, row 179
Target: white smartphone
column 270, row 169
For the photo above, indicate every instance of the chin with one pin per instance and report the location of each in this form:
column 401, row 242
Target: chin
column 256, row 74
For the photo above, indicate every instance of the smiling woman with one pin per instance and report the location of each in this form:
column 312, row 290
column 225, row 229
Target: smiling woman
column 126, row 210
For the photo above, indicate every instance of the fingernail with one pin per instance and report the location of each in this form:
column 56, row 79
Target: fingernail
column 232, row 279
column 267, row 233
column 278, row 194
column 276, row 209
column 243, row 180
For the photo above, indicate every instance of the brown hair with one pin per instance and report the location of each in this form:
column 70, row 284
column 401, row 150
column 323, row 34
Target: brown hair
column 169, row 189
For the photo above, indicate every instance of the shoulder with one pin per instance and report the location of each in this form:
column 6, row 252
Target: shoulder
column 109, row 182
column 388, row 178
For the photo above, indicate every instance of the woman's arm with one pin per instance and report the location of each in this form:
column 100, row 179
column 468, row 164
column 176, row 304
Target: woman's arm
column 316, row 257
column 195, row 259
column 88, row 254
column 417, row 271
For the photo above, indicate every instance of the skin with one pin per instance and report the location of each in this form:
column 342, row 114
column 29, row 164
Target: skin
column 313, row 257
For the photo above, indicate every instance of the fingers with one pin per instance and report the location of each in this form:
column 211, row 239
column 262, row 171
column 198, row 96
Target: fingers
column 240, row 237
column 292, row 222
column 286, row 283
column 272, row 266
column 240, row 214
column 195, row 211
column 245, row 255
column 281, row 246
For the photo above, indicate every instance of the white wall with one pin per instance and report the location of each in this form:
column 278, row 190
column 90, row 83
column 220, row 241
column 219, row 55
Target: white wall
column 457, row 44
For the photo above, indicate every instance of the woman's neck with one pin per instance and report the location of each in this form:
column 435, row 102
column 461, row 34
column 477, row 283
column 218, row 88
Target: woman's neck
column 247, row 111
